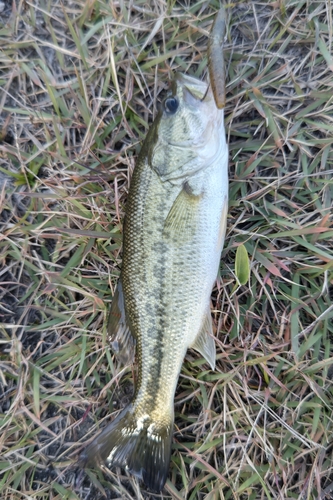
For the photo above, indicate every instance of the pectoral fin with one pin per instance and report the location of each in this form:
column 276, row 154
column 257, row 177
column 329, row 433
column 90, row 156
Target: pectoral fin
column 204, row 342
column 181, row 222
column 120, row 336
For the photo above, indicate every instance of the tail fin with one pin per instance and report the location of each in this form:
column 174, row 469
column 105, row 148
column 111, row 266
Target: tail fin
column 140, row 444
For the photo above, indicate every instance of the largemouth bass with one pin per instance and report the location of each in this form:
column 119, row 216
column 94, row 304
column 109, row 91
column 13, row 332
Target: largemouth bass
column 173, row 236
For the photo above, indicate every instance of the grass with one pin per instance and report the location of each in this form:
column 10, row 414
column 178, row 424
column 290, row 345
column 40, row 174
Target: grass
column 79, row 86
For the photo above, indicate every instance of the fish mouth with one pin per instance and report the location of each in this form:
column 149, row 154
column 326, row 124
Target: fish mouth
column 194, row 90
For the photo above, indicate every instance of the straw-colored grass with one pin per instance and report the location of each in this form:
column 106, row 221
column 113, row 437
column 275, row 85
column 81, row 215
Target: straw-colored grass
column 80, row 83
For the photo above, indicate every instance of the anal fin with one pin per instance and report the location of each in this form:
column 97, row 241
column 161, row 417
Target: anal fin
column 120, row 336
column 204, row 342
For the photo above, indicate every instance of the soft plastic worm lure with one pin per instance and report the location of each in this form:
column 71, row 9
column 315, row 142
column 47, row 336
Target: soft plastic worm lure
column 216, row 60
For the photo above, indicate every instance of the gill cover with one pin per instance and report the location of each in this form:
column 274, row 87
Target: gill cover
column 183, row 137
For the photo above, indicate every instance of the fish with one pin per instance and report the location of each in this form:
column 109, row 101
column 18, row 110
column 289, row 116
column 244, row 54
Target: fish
column 174, row 230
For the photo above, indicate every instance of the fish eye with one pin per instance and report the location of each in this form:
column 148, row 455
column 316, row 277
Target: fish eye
column 171, row 105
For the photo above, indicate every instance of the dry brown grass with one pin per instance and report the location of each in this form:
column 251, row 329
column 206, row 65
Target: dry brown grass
column 79, row 85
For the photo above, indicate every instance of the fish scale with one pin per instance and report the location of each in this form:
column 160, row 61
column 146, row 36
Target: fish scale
column 173, row 236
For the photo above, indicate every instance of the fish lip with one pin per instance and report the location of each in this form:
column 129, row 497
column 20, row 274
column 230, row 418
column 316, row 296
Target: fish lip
column 195, row 90
column 180, row 144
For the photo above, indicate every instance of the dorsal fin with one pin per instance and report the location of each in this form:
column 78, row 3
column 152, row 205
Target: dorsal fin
column 120, row 336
